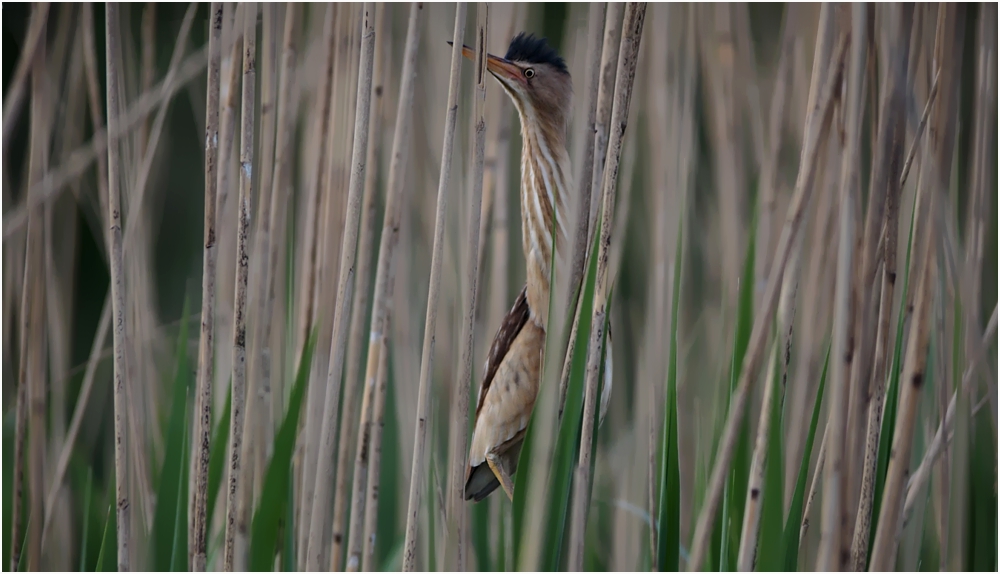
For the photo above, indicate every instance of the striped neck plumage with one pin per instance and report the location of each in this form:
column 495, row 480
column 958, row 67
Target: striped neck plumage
column 545, row 181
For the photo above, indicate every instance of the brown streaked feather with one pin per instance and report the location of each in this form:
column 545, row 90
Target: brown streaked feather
column 508, row 331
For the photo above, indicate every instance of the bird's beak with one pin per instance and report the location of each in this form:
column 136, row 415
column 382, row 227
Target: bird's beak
column 498, row 66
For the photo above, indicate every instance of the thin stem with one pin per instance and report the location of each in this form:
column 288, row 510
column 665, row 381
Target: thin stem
column 602, row 117
column 833, row 549
column 121, row 382
column 635, row 16
column 356, row 343
column 385, row 280
column 885, row 175
column 434, row 285
column 324, row 468
column 239, row 402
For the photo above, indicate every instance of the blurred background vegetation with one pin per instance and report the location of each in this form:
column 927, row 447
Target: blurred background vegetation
column 709, row 161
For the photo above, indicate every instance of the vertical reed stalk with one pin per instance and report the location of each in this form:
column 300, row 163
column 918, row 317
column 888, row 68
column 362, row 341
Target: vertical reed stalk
column 419, row 465
column 385, row 279
column 817, row 124
column 628, row 54
column 748, row 549
column 32, row 385
column 324, row 468
column 94, row 99
column 239, row 402
column 256, row 413
column 935, row 175
column 315, row 239
column 602, row 117
column 359, row 314
column 885, row 175
column 834, row 546
column 268, row 242
column 311, row 235
column 121, row 382
column 455, row 500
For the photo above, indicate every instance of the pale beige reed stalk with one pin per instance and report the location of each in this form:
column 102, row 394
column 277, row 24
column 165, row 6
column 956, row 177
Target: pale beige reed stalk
column 419, row 464
column 324, row 470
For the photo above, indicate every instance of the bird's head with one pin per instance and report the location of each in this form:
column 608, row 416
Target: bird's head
column 533, row 75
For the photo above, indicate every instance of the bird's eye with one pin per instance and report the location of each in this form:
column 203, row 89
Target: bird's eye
column 529, row 73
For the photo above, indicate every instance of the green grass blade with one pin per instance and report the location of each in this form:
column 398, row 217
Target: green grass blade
column 173, row 473
column 668, row 512
column 736, row 484
column 266, row 527
column 567, row 445
column 178, row 552
column 107, row 558
column 791, row 538
column 771, row 531
column 85, row 518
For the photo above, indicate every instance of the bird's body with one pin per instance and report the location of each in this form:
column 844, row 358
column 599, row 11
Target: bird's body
column 538, row 83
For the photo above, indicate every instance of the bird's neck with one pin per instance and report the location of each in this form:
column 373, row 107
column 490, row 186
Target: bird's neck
column 545, row 181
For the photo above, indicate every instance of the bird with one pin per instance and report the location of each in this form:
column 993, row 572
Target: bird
column 535, row 78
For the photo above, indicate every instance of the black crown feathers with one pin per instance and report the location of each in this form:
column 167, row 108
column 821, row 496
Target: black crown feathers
column 528, row 48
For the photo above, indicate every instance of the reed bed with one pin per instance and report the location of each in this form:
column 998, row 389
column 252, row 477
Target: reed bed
column 785, row 215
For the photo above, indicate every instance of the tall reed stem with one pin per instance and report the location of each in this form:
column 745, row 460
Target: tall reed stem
column 434, row 285
column 338, row 345
column 239, row 402
column 635, row 16
column 120, row 333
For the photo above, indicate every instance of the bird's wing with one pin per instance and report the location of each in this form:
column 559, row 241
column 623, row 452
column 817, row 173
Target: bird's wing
column 508, row 331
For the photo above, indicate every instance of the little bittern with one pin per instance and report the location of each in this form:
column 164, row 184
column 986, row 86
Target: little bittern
column 537, row 81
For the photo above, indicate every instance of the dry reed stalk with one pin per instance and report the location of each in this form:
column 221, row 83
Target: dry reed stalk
column 118, row 300
column 33, row 350
column 817, row 124
column 834, row 550
column 280, row 194
column 769, row 166
column 434, row 286
column 317, row 279
column 94, row 99
column 885, row 176
column 935, row 173
column 349, row 419
column 305, row 466
column 17, row 488
column 34, row 40
column 324, row 471
column 718, row 52
column 239, row 403
column 256, row 414
column 397, row 198
column 148, row 66
column 585, row 160
column 602, row 118
column 628, row 54
column 786, row 320
column 456, row 510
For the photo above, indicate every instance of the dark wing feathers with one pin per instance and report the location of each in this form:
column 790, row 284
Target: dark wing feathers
column 508, row 331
